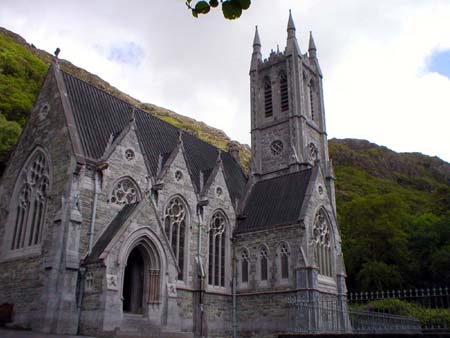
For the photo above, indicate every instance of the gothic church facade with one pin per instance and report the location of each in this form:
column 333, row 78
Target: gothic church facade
column 113, row 222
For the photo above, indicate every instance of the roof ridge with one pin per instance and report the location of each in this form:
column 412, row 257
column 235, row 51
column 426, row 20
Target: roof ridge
column 284, row 175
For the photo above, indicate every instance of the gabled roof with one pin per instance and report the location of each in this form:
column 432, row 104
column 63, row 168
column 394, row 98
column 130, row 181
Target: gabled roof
column 98, row 115
column 110, row 231
column 274, row 202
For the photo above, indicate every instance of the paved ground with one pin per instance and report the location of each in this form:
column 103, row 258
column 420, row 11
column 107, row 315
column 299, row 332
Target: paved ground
column 6, row 333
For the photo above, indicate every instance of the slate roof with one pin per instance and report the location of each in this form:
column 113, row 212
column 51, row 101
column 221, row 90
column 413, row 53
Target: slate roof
column 111, row 231
column 274, row 202
column 98, row 115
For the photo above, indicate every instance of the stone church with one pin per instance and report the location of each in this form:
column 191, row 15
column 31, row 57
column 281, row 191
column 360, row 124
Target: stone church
column 115, row 223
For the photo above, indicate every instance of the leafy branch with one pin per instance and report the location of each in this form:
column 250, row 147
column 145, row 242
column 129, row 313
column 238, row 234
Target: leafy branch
column 231, row 9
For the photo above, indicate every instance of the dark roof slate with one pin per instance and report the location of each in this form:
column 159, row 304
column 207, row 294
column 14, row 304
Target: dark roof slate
column 111, row 231
column 274, row 202
column 98, row 115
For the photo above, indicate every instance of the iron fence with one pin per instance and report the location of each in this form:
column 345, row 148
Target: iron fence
column 431, row 306
column 334, row 317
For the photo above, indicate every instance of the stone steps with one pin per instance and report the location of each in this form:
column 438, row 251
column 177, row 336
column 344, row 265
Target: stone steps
column 155, row 334
column 138, row 326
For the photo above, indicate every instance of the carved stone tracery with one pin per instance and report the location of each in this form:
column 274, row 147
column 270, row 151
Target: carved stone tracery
column 125, row 192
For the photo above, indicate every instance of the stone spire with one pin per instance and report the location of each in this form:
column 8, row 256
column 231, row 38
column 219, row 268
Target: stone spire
column 256, row 56
column 291, row 26
column 292, row 44
column 312, row 51
column 312, row 46
column 256, row 41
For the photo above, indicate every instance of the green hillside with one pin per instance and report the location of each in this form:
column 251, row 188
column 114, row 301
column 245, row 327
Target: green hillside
column 393, row 209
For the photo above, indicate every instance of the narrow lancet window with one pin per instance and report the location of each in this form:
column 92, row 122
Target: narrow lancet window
column 284, row 95
column 284, row 261
column 311, row 99
column 263, row 264
column 268, row 97
column 244, row 266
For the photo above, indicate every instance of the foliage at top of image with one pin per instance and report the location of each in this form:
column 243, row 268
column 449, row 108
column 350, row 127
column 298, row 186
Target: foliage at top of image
column 231, row 9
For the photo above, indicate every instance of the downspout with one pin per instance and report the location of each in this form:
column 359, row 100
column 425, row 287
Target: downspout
column 233, row 266
column 83, row 270
column 199, row 247
column 94, row 212
column 201, row 272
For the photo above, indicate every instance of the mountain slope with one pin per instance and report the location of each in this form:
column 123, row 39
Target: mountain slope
column 393, row 208
column 21, row 62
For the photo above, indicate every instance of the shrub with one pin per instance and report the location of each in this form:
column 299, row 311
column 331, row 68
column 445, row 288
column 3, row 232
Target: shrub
column 428, row 317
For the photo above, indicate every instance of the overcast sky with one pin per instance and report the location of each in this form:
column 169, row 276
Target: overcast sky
column 386, row 63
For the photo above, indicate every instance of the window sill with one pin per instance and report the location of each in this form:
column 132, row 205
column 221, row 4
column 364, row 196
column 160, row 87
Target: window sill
column 217, row 290
column 28, row 252
column 326, row 283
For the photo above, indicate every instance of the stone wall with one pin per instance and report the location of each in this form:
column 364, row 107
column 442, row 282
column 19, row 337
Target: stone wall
column 25, row 281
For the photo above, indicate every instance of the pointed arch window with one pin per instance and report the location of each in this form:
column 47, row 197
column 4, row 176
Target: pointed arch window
column 268, row 109
column 217, row 249
column 30, row 202
column 284, row 94
column 175, row 228
column 322, row 243
column 244, row 266
column 284, row 261
column 263, row 264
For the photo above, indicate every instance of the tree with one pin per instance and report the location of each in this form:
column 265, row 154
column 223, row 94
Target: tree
column 9, row 133
column 374, row 232
column 231, row 9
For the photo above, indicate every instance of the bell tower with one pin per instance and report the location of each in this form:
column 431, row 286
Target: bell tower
column 287, row 109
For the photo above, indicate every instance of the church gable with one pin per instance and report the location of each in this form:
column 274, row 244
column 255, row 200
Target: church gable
column 322, row 240
column 47, row 132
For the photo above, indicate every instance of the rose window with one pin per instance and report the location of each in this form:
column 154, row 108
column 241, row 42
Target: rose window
column 178, row 175
column 219, row 191
column 125, row 192
column 129, row 154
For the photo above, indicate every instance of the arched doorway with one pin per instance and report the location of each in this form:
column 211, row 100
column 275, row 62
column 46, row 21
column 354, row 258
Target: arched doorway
column 133, row 283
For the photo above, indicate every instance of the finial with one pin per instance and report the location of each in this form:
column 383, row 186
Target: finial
column 292, row 44
column 256, row 41
column 312, row 45
column 291, row 26
column 57, row 51
column 133, row 114
column 219, row 156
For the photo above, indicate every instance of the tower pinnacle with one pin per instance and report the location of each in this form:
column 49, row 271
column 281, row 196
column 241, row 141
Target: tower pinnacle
column 291, row 26
column 256, row 41
column 256, row 56
column 312, row 46
column 292, row 44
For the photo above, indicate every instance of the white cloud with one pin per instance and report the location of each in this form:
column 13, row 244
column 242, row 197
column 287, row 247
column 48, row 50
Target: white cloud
column 373, row 55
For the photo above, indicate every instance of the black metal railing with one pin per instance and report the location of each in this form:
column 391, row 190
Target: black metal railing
column 431, row 306
column 334, row 317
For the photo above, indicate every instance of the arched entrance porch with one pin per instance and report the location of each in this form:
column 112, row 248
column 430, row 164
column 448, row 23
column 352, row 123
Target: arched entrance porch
column 141, row 279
